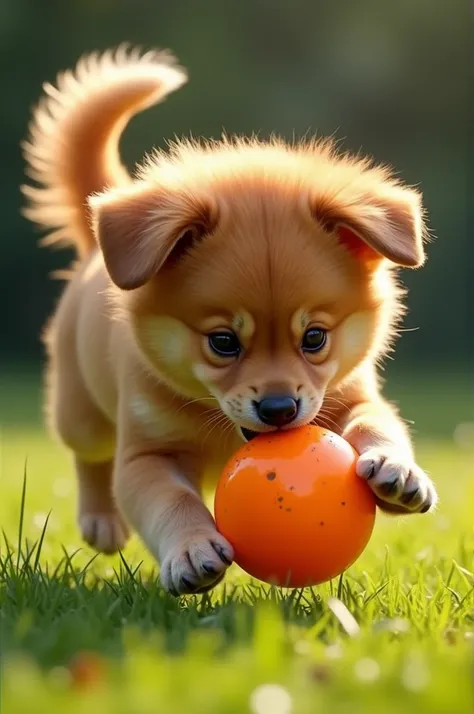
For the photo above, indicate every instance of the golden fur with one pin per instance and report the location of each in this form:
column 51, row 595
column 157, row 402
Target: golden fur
column 264, row 240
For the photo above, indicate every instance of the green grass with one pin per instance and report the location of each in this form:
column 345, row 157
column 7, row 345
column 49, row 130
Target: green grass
column 407, row 644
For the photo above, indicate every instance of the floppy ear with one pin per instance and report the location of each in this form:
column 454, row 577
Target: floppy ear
column 386, row 222
column 138, row 228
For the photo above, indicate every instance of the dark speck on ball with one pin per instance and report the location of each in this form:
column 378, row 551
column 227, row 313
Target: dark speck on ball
column 271, row 476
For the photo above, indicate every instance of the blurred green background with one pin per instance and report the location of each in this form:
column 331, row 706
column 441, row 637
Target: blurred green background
column 392, row 79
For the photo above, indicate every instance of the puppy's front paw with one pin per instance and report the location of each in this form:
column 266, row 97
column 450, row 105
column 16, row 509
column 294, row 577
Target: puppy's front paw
column 399, row 484
column 104, row 531
column 195, row 563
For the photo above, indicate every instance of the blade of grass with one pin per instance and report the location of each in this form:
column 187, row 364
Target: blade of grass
column 22, row 515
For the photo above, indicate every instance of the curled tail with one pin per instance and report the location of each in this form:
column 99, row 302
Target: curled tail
column 72, row 149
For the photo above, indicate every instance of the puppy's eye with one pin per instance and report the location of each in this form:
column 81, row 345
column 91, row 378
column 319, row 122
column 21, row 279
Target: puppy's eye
column 314, row 339
column 224, row 344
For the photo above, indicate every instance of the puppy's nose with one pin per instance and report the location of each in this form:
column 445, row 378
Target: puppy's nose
column 277, row 411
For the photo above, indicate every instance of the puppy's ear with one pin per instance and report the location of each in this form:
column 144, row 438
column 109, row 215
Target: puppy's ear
column 383, row 222
column 139, row 229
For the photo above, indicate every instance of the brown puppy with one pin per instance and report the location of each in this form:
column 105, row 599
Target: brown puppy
column 238, row 287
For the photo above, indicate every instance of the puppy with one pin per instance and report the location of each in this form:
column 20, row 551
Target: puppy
column 228, row 288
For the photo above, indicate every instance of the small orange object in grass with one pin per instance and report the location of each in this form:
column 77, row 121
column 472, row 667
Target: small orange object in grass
column 293, row 508
column 87, row 670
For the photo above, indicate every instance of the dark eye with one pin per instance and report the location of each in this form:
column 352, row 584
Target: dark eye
column 314, row 339
column 224, row 344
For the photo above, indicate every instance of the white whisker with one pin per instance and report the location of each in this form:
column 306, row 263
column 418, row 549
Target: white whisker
column 195, row 401
column 325, row 420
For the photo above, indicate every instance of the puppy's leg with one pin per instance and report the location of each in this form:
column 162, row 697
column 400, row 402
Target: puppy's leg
column 386, row 459
column 101, row 525
column 166, row 510
column 91, row 437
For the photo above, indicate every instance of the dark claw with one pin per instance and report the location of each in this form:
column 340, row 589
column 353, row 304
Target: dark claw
column 221, row 553
column 209, row 568
column 209, row 586
column 408, row 498
column 426, row 507
column 371, row 471
column 187, row 584
column 389, row 487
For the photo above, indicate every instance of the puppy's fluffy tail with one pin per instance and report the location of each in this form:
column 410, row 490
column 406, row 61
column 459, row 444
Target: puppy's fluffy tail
column 72, row 149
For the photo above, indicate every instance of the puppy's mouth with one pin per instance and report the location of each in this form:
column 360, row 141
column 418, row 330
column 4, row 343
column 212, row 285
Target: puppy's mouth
column 248, row 434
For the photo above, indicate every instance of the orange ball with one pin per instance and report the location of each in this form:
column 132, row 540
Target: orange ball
column 294, row 510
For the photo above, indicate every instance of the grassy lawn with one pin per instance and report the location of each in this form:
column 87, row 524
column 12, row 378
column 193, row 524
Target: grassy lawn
column 83, row 634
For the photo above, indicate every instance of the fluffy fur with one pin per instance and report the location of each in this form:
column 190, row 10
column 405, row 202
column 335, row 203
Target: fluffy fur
column 260, row 240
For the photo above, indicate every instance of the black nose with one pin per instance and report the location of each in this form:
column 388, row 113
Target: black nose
column 277, row 411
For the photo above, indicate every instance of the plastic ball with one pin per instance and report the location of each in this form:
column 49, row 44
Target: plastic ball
column 293, row 508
